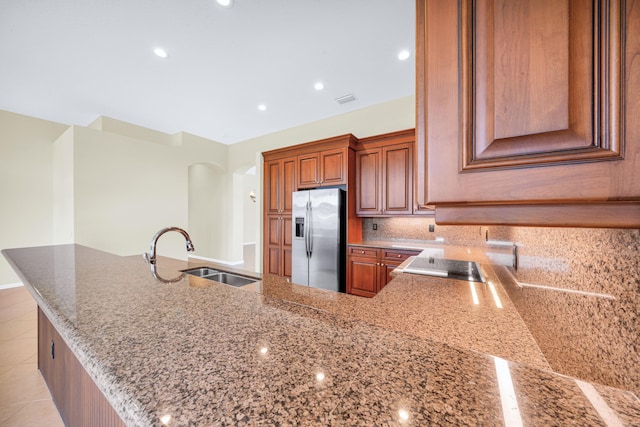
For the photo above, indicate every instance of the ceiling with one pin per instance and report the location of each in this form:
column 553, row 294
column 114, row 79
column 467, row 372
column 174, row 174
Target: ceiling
column 71, row 61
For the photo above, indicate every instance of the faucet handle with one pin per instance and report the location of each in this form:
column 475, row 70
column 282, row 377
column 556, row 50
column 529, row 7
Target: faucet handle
column 146, row 257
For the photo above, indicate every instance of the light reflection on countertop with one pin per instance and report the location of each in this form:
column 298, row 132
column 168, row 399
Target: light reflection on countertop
column 416, row 354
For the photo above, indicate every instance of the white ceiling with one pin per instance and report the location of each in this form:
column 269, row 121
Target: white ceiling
column 72, row 61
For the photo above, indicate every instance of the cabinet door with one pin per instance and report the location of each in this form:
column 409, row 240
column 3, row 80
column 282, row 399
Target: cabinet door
column 368, row 186
column 79, row 401
column 273, row 245
column 287, row 233
column 279, row 185
column 272, row 260
column 392, row 258
column 528, row 104
column 308, row 170
column 277, row 256
column 51, row 359
column 287, row 184
column 272, row 173
column 398, row 179
column 333, row 167
column 363, row 276
column 386, row 268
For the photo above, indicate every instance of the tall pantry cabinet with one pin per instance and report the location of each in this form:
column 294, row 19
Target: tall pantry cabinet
column 323, row 163
column 279, row 184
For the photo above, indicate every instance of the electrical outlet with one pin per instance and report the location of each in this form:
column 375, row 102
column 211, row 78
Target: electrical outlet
column 375, row 226
column 432, row 228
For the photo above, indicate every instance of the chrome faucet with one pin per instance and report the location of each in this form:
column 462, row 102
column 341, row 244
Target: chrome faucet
column 150, row 257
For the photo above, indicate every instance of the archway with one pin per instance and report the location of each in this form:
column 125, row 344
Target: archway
column 250, row 205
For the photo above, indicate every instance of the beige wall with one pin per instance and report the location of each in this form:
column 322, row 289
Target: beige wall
column 251, row 209
column 26, row 216
column 63, row 189
column 390, row 116
column 126, row 188
column 112, row 185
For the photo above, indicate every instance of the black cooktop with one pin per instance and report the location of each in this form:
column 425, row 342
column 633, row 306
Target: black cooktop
column 451, row 268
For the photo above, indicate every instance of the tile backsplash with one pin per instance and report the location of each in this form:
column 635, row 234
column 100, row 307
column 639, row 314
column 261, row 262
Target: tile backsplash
column 577, row 289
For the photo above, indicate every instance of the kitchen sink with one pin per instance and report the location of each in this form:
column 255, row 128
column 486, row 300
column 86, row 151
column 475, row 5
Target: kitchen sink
column 201, row 271
column 221, row 276
column 231, row 279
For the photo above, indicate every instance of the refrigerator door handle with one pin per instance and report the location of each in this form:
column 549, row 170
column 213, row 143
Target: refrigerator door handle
column 310, row 230
column 306, row 228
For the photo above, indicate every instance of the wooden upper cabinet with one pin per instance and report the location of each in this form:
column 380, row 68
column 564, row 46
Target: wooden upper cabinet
column 279, row 185
column 397, row 184
column 272, row 173
column 368, row 186
column 528, row 103
column 384, row 173
column 308, row 170
column 333, row 167
column 540, row 86
column 324, row 168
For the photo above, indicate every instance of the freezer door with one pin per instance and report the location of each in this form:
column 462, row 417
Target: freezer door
column 299, row 260
column 324, row 230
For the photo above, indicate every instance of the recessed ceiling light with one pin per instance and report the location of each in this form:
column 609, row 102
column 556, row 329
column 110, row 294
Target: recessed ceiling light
column 262, row 107
column 160, row 52
column 225, row 3
column 404, row 54
column 318, row 86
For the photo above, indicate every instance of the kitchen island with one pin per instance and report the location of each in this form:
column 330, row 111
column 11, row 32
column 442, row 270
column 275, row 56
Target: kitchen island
column 197, row 352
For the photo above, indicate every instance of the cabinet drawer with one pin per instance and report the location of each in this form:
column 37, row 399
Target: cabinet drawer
column 398, row 255
column 364, row 252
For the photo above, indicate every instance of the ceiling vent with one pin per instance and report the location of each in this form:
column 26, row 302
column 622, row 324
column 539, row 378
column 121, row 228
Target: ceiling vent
column 345, row 98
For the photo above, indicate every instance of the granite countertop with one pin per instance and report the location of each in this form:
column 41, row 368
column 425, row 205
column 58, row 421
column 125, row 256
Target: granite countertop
column 276, row 353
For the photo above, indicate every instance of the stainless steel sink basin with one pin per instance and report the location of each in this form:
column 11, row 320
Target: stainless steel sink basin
column 201, row 271
column 231, row 279
column 221, row 276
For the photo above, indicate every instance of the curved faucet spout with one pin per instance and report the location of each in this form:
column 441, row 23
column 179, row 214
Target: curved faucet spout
column 150, row 257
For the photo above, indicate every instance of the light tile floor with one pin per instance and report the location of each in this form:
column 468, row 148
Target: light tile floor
column 24, row 397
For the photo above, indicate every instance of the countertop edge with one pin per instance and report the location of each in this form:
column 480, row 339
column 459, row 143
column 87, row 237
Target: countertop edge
column 123, row 404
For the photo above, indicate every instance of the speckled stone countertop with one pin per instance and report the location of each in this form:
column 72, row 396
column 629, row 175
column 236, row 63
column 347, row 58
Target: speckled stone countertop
column 275, row 353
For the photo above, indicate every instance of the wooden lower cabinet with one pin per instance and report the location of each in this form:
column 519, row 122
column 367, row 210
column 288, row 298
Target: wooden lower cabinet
column 278, row 232
column 369, row 269
column 364, row 276
column 74, row 393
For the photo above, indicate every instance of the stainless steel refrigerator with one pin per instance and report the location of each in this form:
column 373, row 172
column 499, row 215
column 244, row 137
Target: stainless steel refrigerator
column 319, row 243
